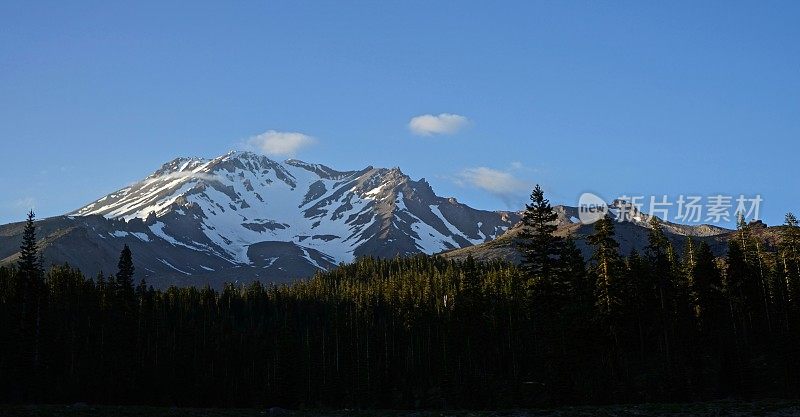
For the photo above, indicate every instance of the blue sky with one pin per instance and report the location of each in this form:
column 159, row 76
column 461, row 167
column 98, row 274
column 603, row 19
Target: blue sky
column 616, row 98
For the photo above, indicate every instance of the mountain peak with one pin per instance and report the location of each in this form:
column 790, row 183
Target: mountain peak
column 242, row 208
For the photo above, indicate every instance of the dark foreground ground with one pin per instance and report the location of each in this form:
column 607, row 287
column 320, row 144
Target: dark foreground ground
column 776, row 408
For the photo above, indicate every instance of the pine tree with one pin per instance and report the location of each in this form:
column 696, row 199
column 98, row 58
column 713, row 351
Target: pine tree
column 29, row 260
column 712, row 347
column 662, row 267
column 662, row 264
column 707, row 288
column 790, row 234
column 540, row 248
column 689, row 259
column 736, row 273
column 124, row 290
column 33, row 293
column 658, row 246
column 753, row 279
column 607, row 266
column 638, row 300
column 573, row 283
column 790, row 259
column 686, row 275
column 124, row 316
column 125, row 268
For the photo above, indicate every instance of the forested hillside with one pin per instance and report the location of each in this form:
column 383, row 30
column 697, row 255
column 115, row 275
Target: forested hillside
column 419, row 331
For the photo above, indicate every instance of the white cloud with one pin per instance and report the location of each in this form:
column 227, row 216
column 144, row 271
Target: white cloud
column 273, row 142
column 492, row 180
column 27, row 203
column 443, row 124
column 502, row 184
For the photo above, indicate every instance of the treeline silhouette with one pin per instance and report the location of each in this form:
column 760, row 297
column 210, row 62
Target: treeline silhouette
column 420, row 331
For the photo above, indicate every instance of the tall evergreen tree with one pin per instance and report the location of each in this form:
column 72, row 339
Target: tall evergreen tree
column 659, row 248
column 125, row 268
column 540, row 248
column 124, row 290
column 663, row 267
column 751, row 275
column 607, row 266
column 33, row 292
column 573, row 283
column 29, row 260
column 790, row 258
column 707, row 289
column 740, row 311
column 790, row 234
column 638, row 302
column 712, row 346
column 659, row 253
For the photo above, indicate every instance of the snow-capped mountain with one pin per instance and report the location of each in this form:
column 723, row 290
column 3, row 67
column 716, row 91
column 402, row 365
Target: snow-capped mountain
column 244, row 216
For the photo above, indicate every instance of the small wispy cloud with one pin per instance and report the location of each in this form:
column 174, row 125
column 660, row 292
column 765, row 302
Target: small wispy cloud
column 442, row 124
column 502, row 184
column 275, row 143
column 26, row 203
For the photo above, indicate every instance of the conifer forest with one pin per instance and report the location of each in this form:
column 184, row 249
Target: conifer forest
column 422, row 331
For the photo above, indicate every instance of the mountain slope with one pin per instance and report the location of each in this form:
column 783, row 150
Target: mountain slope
column 244, row 216
column 631, row 233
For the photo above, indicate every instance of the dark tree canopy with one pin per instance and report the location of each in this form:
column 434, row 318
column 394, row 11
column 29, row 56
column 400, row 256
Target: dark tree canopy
column 418, row 332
